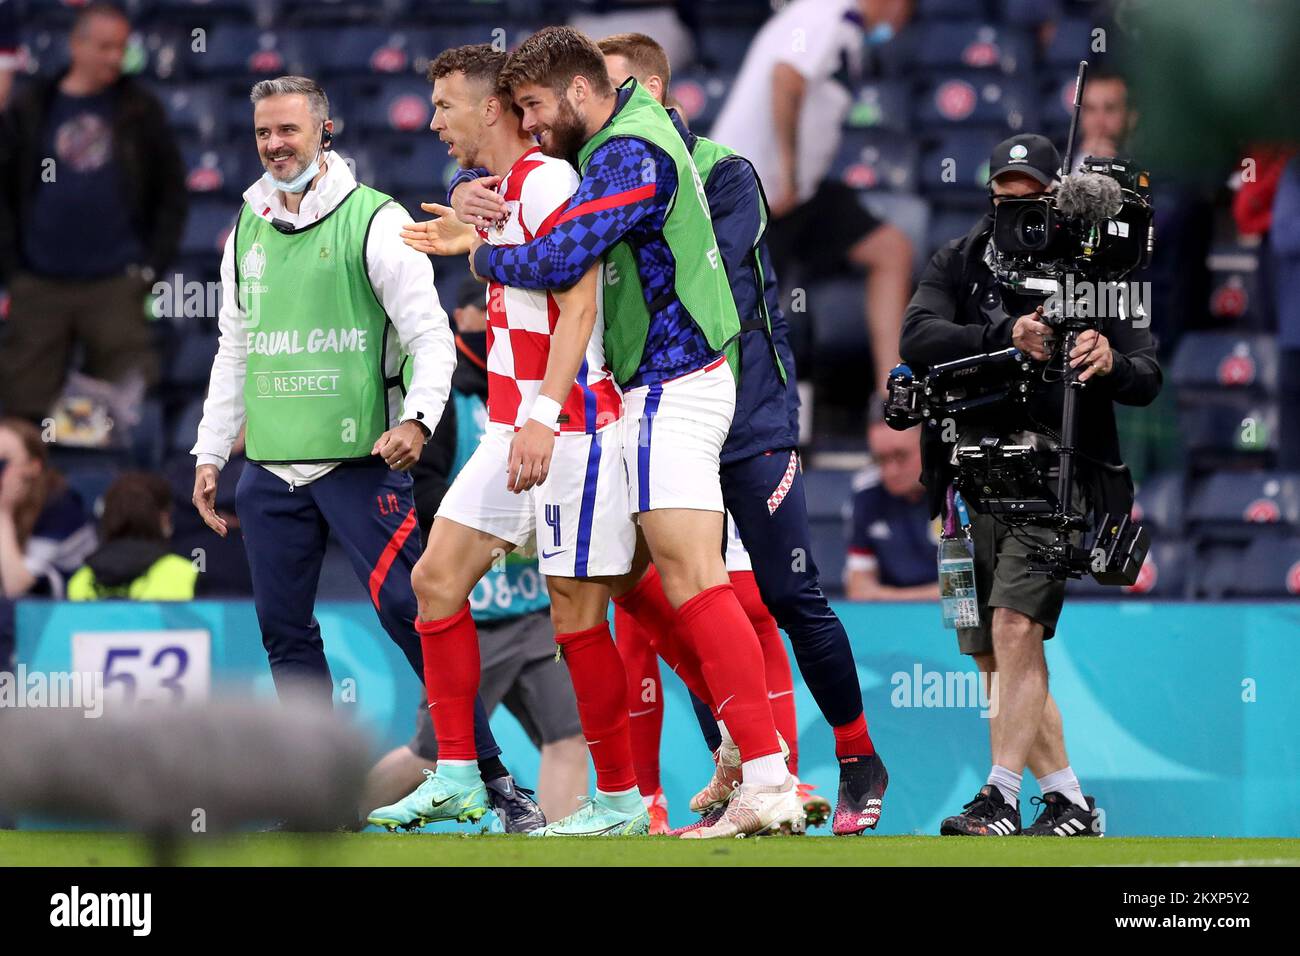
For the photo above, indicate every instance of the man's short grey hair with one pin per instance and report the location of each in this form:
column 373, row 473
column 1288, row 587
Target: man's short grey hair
column 317, row 102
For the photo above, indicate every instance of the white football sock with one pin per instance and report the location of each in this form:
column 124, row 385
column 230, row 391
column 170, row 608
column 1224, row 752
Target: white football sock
column 1008, row 784
column 769, row 771
column 1066, row 784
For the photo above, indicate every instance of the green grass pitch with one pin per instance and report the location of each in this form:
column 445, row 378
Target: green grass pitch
column 34, row 848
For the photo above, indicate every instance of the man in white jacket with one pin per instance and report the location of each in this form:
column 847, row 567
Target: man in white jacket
column 323, row 308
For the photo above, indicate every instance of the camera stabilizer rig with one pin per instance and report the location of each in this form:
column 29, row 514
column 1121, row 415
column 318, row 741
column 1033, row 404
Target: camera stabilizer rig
column 1097, row 225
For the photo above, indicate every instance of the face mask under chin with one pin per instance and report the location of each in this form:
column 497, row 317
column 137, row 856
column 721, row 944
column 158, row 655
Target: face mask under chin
column 298, row 183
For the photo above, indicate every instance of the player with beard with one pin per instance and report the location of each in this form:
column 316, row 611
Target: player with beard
column 549, row 468
column 669, row 317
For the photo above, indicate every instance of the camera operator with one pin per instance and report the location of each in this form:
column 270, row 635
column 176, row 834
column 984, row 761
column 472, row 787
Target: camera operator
column 957, row 311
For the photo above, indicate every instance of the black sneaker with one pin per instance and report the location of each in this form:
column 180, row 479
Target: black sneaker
column 1062, row 817
column 987, row 815
column 861, row 798
column 514, row 806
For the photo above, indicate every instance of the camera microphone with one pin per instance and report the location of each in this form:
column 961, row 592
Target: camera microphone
column 1089, row 196
column 279, row 225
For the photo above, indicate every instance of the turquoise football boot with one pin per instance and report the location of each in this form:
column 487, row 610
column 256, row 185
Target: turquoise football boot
column 435, row 800
column 595, row 817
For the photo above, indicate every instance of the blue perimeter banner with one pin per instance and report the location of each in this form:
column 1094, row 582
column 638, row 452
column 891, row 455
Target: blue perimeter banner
column 1181, row 719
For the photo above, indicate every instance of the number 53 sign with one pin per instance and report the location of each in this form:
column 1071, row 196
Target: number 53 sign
column 153, row 667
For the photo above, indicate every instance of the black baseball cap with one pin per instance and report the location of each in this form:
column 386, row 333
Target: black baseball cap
column 1026, row 153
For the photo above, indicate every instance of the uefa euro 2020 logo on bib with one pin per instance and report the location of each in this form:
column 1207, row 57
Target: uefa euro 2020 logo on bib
column 251, row 268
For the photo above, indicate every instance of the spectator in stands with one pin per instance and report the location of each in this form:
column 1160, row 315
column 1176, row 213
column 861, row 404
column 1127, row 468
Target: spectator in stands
column 92, row 203
column 892, row 538
column 785, row 112
column 132, row 560
column 9, row 48
column 45, row 532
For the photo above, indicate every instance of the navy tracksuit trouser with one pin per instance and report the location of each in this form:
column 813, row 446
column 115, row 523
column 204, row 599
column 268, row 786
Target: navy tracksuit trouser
column 765, row 495
column 371, row 511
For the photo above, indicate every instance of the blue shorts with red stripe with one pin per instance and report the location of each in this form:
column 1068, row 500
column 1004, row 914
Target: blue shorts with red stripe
column 371, row 512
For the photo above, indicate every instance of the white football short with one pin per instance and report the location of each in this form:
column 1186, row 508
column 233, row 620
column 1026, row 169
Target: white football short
column 737, row 557
column 579, row 514
column 672, row 439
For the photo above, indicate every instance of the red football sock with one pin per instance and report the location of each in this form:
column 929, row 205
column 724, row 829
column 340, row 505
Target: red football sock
column 451, row 678
column 776, row 664
column 645, row 701
column 715, row 625
column 649, row 606
column 600, row 686
column 852, row 739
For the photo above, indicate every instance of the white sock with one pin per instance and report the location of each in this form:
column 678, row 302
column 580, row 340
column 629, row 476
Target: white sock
column 769, row 771
column 1066, row 784
column 1008, row 784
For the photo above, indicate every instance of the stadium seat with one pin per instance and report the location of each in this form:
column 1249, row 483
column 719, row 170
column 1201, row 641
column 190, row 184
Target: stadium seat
column 191, row 364
column 239, row 50
column 47, row 50
column 1164, row 574
column 1161, row 504
column 1270, row 567
column 948, row 223
column 338, row 581
column 839, row 334
column 1228, row 361
column 1028, row 12
column 1236, row 296
column 881, row 104
column 207, row 225
column 701, row 93
column 876, row 159
column 365, row 50
column 190, row 11
column 414, row 164
column 723, row 47
column 945, row 99
column 216, row 172
column 955, row 168
column 972, row 45
column 947, row 9
column 392, row 104
column 1070, row 43
column 1239, row 506
column 1229, row 427
column 1214, row 570
column 185, row 426
column 827, row 489
column 1056, row 104
column 192, row 108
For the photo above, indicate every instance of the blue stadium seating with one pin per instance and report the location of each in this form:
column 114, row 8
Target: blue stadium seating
column 1229, row 427
column 215, row 171
column 192, row 108
column 839, row 336
column 876, row 159
column 955, row 168
column 47, row 49
column 947, row 9
column 392, row 104
column 191, row 364
column 1161, row 504
column 1227, row 361
column 724, row 47
column 701, row 94
column 364, row 50
column 415, row 164
column 241, row 50
column 971, row 99
column 1071, row 43
column 1270, row 567
column 881, row 104
column 1239, row 506
column 206, row 226
column 1237, row 296
column 944, row 45
column 1164, row 574
column 948, row 223
column 1214, row 570
column 185, row 426
column 1028, row 12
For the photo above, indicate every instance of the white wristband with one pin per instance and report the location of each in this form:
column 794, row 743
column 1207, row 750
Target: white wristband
column 546, row 411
